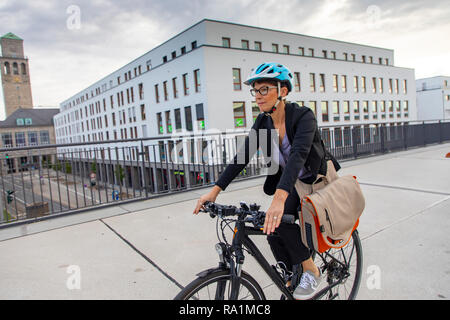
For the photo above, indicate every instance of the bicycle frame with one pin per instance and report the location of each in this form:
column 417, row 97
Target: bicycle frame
column 241, row 238
column 235, row 267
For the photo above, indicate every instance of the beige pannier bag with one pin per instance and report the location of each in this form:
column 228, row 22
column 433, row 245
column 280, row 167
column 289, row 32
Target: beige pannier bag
column 330, row 210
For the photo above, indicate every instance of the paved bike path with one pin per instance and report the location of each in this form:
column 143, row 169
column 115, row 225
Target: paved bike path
column 148, row 249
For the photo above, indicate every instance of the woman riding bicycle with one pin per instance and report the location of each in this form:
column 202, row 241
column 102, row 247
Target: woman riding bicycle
column 300, row 155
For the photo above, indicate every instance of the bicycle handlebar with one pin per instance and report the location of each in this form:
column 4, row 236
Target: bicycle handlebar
column 215, row 209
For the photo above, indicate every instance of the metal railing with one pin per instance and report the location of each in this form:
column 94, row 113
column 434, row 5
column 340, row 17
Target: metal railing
column 37, row 182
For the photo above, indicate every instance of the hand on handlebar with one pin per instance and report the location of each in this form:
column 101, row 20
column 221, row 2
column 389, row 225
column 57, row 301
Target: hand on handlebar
column 210, row 196
column 273, row 217
column 275, row 212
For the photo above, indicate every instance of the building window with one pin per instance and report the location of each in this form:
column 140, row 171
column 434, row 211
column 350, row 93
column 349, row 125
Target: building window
column 366, row 110
column 237, row 79
column 322, row 82
column 239, row 114
column 159, row 123
column 164, row 59
column 380, row 84
column 356, row 110
column 383, row 109
column 178, row 125
column 255, row 110
column 344, row 83
column 346, row 110
column 324, row 111
column 311, row 52
column 183, row 50
column 333, row 55
column 44, row 137
column 32, row 138
column 15, row 68
column 166, row 94
column 23, row 68
column 390, row 85
column 396, row 86
column 364, row 59
column 336, row 116
column 7, row 140
column 185, row 84
column 374, row 110
column 142, row 111
column 258, row 46
column 313, row 107
column 7, row 69
column 168, row 122
column 355, row 84
column 141, row 91
column 374, row 85
column 335, row 83
column 226, row 42
column 301, row 51
column 188, row 118
column 324, row 52
column 200, row 116
column 345, row 56
column 406, row 107
column 312, row 82
column 363, row 84
column 193, row 45
column 244, row 44
column 156, row 93
column 275, row 47
column 286, row 49
column 20, row 139
column 174, row 54
column 353, row 57
column 297, row 81
column 404, row 86
column 197, row 80
column 174, row 86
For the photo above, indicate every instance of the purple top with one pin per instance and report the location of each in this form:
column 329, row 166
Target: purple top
column 285, row 149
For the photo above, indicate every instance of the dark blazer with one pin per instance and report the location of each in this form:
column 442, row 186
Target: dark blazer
column 307, row 150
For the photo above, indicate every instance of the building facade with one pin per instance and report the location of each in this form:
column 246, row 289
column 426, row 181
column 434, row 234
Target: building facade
column 193, row 83
column 25, row 128
column 433, row 98
column 15, row 91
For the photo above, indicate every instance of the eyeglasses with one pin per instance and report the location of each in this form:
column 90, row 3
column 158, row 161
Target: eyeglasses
column 262, row 91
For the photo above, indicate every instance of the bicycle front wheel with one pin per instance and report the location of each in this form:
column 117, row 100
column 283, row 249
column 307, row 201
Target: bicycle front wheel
column 217, row 286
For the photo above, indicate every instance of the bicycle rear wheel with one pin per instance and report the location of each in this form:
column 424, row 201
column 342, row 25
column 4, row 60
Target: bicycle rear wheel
column 341, row 269
column 217, row 286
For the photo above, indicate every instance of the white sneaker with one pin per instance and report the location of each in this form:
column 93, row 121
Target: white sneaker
column 308, row 285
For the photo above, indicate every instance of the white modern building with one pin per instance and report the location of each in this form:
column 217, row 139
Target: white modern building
column 433, row 98
column 193, row 82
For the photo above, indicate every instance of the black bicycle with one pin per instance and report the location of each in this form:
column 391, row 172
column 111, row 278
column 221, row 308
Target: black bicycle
column 340, row 267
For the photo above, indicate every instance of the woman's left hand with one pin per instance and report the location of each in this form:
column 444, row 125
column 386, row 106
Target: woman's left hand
column 275, row 212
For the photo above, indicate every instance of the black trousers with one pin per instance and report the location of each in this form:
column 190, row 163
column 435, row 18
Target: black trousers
column 286, row 244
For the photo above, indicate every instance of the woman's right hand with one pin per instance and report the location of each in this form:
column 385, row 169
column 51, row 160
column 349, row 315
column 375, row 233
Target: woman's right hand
column 210, row 196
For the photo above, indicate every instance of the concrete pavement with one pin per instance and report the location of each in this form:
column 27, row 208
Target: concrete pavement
column 149, row 249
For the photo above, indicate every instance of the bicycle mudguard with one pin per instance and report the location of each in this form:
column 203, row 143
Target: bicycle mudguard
column 206, row 272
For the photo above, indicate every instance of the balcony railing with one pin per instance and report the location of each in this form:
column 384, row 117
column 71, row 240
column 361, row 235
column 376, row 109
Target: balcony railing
column 38, row 182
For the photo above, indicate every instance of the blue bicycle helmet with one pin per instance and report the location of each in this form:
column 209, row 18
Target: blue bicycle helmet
column 271, row 71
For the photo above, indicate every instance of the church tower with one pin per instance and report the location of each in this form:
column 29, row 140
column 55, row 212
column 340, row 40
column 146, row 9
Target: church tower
column 15, row 75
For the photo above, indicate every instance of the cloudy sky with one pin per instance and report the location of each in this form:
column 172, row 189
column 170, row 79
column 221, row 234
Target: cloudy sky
column 66, row 57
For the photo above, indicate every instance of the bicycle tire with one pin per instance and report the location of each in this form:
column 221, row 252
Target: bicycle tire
column 358, row 265
column 223, row 276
